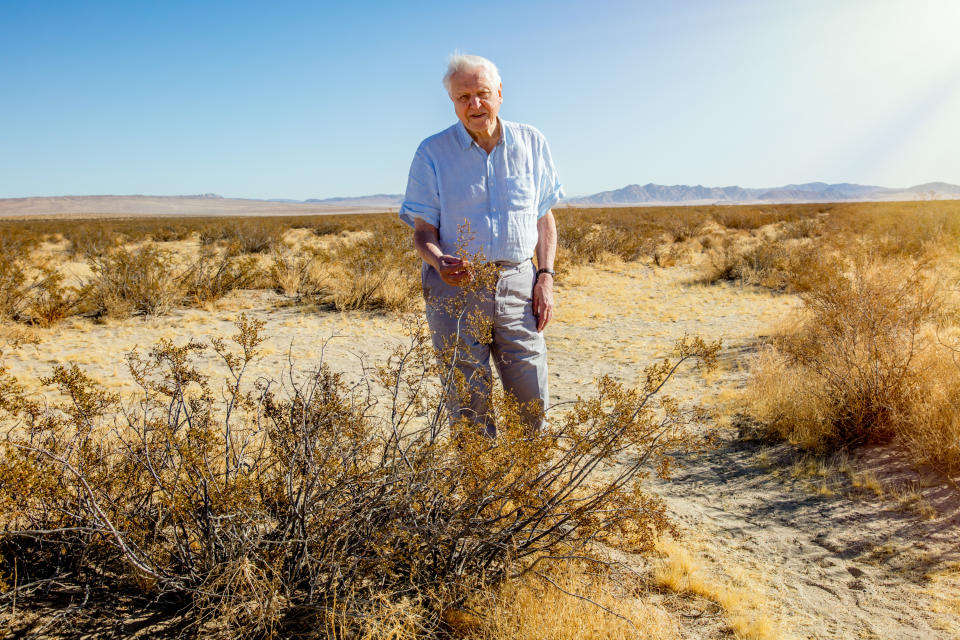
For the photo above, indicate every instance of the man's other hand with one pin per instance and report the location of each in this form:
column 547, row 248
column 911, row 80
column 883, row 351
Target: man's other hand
column 543, row 300
column 454, row 271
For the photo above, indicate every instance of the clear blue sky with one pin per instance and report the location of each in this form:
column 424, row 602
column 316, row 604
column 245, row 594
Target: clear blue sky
column 311, row 100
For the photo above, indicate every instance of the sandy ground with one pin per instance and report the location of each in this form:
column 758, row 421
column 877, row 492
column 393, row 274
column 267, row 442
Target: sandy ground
column 132, row 206
column 862, row 548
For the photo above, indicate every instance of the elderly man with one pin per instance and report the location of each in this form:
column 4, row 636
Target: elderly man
column 497, row 177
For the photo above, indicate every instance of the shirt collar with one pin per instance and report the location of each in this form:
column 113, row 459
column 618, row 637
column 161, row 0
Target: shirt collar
column 463, row 136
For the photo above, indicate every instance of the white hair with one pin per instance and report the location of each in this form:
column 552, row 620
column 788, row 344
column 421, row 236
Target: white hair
column 462, row 62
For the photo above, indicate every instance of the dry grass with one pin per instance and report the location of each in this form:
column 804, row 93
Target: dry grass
column 909, row 497
column 944, row 590
column 745, row 609
column 130, row 281
column 778, row 247
column 567, row 602
column 862, row 363
column 259, row 502
column 867, row 481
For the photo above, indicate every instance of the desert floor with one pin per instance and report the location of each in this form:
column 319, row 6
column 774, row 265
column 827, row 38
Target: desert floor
column 858, row 547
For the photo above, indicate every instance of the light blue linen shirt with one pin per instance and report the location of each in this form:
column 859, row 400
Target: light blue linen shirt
column 501, row 194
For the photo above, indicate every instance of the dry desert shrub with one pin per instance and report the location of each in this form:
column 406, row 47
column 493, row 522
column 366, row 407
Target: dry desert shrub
column 50, row 299
column 244, row 235
column 14, row 284
column 291, row 270
column 216, row 273
column 17, row 242
column 627, row 233
column 34, row 294
column 143, row 280
column 897, row 229
column 265, row 505
column 781, row 265
column 862, row 364
column 633, row 233
column 149, row 280
column 931, row 425
column 376, row 271
column 583, row 241
column 92, row 239
column 163, row 230
column 749, row 262
column 756, row 216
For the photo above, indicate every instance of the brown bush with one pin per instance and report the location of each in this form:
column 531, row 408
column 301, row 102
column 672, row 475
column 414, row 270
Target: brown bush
column 264, row 507
column 755, row 216
column 852, row 370
column 291, row 271
column 376, row 271
column 139, row 281
column 592, row 235
column 34, row 295
column 244, row 235
column 930, row 427
column 214, row 274
column 762, row 263
column 896, row 229
column 14, row 286
column 51, row 300
column 92, row 239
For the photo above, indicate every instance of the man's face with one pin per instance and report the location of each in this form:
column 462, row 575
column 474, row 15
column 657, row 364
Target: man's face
column 476, row 101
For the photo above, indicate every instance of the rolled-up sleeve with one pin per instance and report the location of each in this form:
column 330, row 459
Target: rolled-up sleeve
column 550, row 191
column 422, row 199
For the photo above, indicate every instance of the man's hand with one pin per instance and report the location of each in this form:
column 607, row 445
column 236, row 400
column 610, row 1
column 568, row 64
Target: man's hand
column 453, row 270
column 543, row 300
column 426, row 240
column 546, row 252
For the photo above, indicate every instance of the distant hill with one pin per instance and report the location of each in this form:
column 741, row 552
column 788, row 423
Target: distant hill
column 385, row 200
column 200, row 205
column 211, row 204
column 808, row 192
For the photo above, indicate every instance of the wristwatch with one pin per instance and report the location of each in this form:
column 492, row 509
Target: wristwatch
column 550, row 271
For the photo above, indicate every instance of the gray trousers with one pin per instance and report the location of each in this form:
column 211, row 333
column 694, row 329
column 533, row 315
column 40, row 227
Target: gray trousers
column 519, row 352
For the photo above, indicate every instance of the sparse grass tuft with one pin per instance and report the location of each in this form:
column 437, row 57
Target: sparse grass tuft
column 867, row 481
column 744, row 607
column 551, row 606
column 910, row 498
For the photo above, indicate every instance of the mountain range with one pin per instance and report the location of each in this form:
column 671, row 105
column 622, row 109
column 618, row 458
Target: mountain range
column 654, row 194
column 211, row 204
column 808, row 192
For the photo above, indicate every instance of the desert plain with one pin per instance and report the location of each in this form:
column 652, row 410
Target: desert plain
column 782, row 534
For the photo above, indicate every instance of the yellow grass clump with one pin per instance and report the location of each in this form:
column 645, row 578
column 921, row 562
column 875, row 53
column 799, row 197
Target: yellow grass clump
column 744, row 607
column 864, row 362
column 569, row 602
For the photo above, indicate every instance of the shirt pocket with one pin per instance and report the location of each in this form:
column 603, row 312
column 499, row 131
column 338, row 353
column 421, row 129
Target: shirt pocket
column 521, row 196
